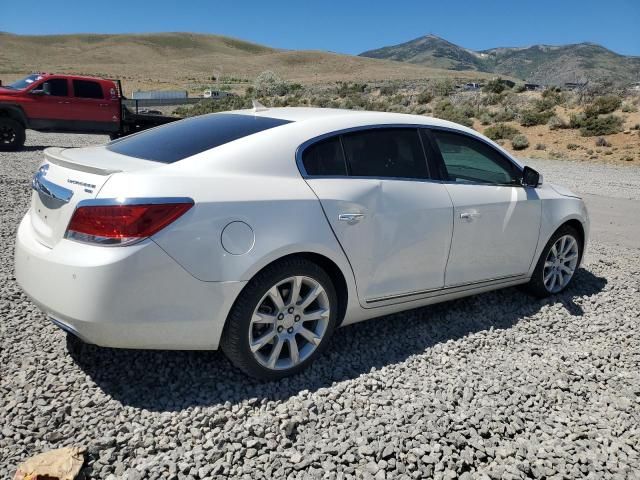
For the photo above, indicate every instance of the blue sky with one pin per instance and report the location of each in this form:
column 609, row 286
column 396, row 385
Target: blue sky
column 346, row 26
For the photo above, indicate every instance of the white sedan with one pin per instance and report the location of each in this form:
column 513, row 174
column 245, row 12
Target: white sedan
column 261, row 231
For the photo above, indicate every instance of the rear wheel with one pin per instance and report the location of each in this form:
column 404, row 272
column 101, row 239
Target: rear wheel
column 557, row 264
column 12, row 134
column 282, row 320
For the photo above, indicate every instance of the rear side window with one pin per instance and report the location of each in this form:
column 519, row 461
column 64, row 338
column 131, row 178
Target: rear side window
column 87, row 89
column 385, row 152
column 179, row 140
column 324, row 158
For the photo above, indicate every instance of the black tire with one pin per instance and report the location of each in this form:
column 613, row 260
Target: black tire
column 235, row 337
column 12, row 134
column 536, row 285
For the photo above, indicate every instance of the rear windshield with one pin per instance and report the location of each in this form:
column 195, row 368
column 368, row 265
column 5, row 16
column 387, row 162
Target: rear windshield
column 178, row 140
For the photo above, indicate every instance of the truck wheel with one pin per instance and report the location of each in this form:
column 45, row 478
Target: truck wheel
column 12, row 135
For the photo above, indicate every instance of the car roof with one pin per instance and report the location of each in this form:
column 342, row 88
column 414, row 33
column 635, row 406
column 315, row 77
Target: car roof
column 356, row 118
column 324, row 117
column 303, row 114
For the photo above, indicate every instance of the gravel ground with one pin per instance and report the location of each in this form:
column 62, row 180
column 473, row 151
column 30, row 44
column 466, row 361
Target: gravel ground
column 618, row 181
column 498, row 385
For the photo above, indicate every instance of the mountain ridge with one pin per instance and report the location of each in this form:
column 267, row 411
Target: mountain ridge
column 540, row 63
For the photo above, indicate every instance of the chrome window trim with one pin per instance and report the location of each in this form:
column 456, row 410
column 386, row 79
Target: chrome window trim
column 489, row 145
column 303, row 146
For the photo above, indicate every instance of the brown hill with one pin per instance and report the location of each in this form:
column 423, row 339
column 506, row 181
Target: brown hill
column 187, row 60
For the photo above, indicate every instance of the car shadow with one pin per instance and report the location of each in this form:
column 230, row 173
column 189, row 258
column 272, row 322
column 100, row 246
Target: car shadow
column 175, row 380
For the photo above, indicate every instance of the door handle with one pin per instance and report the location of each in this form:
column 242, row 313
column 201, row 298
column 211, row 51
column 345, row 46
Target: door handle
column 350, row 218
column 61, row 102
column 469, row 216
column 104, row 104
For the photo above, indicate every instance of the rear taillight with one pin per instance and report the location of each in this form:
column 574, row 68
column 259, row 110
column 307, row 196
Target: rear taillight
column 122, row 224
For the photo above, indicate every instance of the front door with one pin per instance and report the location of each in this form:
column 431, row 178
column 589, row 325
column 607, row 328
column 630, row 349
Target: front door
column 49, row 106
column 496, row 220
column 392, row 222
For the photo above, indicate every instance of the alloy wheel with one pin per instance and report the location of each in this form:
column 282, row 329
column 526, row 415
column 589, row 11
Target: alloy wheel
column 7, row 135
column 289, row 322
column 560, row 264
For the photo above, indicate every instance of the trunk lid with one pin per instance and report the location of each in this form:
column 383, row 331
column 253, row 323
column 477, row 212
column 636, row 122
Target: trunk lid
column 67, row 177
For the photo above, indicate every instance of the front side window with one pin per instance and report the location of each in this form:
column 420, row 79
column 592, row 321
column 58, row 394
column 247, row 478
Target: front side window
column 385, row 152
column 58, row 87
column 324, row 158
column 87, row 89
column 467, row 160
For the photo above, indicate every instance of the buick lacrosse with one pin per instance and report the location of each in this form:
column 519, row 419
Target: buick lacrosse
column 260, row 231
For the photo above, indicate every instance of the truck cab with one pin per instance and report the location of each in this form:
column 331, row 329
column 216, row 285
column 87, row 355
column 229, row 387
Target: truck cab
column 66, row 103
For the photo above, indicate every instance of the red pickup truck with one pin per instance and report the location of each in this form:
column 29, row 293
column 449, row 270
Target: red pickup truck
column 67, row 103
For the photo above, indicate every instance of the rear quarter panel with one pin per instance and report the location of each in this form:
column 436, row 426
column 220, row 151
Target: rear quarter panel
column 255, row 182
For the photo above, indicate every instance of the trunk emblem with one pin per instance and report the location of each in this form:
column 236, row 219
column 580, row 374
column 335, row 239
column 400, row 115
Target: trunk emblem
column 88, row 187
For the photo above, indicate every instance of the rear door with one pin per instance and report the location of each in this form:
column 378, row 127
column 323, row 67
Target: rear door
column 392, row 222
column 496, row 219
column 94, row 109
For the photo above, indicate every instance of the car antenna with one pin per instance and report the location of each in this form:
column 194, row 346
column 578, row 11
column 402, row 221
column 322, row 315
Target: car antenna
column 258, row 107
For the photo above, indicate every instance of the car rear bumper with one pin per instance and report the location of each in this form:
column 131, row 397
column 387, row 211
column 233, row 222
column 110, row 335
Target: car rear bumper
column 126, row 297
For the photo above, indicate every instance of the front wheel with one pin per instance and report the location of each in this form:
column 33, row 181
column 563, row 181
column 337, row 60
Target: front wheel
column 282, row 320
column 557, row 264
column 12, row 134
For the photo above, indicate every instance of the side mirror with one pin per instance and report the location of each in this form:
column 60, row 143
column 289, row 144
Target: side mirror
column 531, row 178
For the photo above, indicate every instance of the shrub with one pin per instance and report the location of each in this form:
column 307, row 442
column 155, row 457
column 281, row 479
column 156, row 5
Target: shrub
column 388, row 90
column 529, row 118
column 501, row 131
column 602, row 105
column 541, row 146
column 493, row 99
column 485, row 119
column 550, row 98
column 573, row 146
column 629, row 107
column 443, row 88
column 576, row 120
column 211, row 106
column 519, row 142
column 424, row 97
column 347, row 88
column 602, row 142
column 605, row 125
column 269, row 84
column 494, row 86
column 445, row 110
column 505, row 115
column 555, row 122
